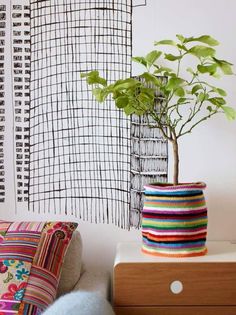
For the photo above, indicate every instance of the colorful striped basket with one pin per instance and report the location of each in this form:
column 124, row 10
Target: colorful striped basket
column 174, row 220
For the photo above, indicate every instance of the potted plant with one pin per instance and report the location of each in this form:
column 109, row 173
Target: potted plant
column 174, row 219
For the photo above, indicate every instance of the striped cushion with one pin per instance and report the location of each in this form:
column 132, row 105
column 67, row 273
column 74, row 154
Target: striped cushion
column 31, row 256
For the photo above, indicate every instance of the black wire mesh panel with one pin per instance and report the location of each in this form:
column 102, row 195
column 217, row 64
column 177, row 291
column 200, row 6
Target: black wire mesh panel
column 149, row 157
column 2, row 99
column 79, row 150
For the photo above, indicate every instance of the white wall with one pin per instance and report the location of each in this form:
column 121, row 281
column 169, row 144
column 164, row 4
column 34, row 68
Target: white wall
column 209, row 154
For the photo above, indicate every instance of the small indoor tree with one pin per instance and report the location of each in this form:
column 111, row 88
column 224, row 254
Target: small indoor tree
column 189, row 98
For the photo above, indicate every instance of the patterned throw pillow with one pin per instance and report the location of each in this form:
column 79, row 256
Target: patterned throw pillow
column 31, row 255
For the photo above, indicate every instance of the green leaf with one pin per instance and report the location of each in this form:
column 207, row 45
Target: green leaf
column 202, row 97
column 152, row 57
column 206, row 39
column 225, row 66
column 207, row 69
column 122, row 101
column 129, row 110
column 216, row 75
column 144, row 99
column 188, row 91
column 188, row 39
column 202, row 51
column 174, row 83
column 126, row 84
column 180, row 37
column 180, row 92
column 94, row 78
column 99, row 94
column 226, row 69
column 171, row 57
column 149, row 91
column 140, row 60
column 97, row 79
column 229, row 112
column 182, row 47
column 196, row 88
column 181, row 100
column 163, row 69
column 217, row 101
column 165, row 42
column 169, row 74
column 221, row 92
column 209, row 108
column 140, row 112
column 148, row 77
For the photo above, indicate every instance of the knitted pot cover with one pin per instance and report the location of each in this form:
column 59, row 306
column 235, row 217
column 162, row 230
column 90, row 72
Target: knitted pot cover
column 174, row 220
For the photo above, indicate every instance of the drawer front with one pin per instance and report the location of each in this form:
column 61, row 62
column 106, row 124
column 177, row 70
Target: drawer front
column 178, row 310
column 149, row 284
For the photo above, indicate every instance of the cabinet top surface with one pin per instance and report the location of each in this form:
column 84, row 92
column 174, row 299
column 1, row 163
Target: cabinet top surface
column 218, row 251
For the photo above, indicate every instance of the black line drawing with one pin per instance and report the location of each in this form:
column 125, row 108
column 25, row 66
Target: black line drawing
column 2, row 100
column 71, row 155
column 20, row 28
column 83, row 154
column 149, row 159
column 79, row 150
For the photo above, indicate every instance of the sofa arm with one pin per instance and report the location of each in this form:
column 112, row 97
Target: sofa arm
column 94, row 281
column 80, row 303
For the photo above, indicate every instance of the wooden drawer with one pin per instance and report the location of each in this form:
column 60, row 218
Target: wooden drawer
column 148, row 284
column 177, row 310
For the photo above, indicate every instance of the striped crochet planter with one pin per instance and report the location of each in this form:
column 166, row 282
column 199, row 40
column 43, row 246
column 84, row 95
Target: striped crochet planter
column 174, row 220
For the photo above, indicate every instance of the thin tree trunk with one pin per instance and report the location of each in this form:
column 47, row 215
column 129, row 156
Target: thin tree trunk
column 176, row 161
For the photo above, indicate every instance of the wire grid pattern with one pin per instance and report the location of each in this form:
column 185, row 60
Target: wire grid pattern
column 2, row 99
column 20, row 28
column 149, row 156
column 79, row 150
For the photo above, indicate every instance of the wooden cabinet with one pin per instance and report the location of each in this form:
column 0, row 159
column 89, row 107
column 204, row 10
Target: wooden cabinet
column 145, row 285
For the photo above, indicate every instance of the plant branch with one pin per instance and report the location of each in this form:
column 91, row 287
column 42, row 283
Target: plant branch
column 193, row 113
column 155, row 118
column 197, row 123
column 159, row 124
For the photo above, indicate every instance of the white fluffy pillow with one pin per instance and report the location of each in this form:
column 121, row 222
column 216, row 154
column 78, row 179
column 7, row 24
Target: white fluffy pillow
column 80, row 303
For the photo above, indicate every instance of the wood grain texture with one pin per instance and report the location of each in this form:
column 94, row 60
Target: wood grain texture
column 176, row 310
column 148, row 284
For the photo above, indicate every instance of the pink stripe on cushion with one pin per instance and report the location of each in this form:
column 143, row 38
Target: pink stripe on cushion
column 41, row 288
